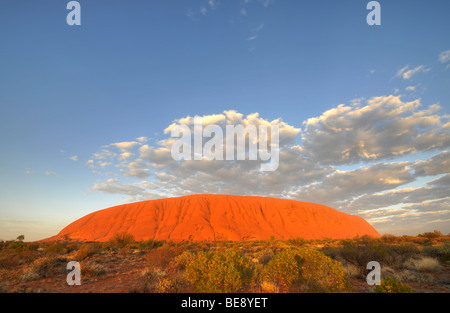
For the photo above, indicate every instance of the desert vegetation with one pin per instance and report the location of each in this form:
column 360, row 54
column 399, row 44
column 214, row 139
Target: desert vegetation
column 408, row 264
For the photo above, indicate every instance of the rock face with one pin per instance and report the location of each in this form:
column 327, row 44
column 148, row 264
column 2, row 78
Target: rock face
column 218, row 217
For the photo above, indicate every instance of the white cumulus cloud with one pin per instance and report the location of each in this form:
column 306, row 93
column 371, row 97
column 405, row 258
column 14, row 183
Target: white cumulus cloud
column 407, row 73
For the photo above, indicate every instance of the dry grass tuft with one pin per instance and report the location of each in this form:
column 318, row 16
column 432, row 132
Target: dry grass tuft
column 424, row 264
column 43, row 267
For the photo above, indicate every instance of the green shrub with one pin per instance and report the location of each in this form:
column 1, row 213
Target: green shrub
column 358, row 256
column 264, row 256
column 444, row 252
column 429, row 235
column 70, row 247
column 366, row 240
column 20, row 246
column 398, row 254
column 387, row 255
column 182, row 260
column 171, row 285
column 42, row 267
column 86, row 250
column 391, row 285
column 389, row 238
column 9, row 259
column 441, row 252
column 297, row 242
column 284, row 269
column 122, row 240
column 306, row 269
column 17, row 246
column 147, row 244
column 161, row 257
column 361, row 255
column 92, row 268
column 54, row 248
column 224, row 271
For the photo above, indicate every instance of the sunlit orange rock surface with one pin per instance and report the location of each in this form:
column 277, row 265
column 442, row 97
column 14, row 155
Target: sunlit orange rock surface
column 218, row 217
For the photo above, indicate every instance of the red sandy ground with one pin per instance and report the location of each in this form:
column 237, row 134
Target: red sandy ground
column 218, row 217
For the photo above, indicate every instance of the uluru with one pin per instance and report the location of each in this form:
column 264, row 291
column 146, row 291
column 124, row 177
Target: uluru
column 208, row 217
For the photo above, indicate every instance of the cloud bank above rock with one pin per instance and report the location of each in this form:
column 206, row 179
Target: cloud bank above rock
column 352, row 157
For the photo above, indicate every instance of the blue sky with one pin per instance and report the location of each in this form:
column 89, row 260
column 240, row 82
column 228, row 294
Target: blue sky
column 134, row 67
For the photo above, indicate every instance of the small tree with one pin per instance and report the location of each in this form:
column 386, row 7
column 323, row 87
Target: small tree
column 21, row 238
